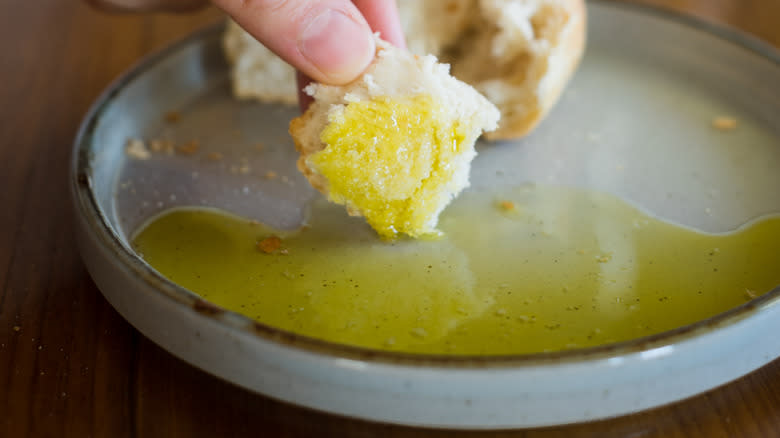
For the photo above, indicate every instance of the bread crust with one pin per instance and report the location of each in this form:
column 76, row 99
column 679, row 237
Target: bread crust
column 571, row 50
column 522, row 66
column 297, row 128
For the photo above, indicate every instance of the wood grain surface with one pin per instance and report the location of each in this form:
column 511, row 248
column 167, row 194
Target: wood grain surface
column 71, row 366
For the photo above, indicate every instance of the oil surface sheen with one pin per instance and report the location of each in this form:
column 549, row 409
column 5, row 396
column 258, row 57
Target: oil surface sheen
column 527, row 270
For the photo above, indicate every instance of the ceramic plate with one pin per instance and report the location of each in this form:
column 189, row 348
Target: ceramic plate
column 635, row 122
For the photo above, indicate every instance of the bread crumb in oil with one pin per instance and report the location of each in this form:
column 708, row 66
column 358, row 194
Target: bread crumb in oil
column 270, row 244
column 419, row 332
column 604, row 258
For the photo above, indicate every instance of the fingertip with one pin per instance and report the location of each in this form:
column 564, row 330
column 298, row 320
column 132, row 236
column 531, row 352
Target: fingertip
column 328, row 40
column 338, row 45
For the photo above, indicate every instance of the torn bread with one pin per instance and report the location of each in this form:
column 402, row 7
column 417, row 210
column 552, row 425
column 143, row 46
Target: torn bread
column 519, row 53
column 432, row 26
column 256, row 72
column 396, row 145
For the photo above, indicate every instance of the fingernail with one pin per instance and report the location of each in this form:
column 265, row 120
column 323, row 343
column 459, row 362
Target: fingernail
column 338, row 46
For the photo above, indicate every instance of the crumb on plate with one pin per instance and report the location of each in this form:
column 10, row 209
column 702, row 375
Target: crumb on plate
column 214, row 156
column 172, row 116
column 724, row 123
column 161, row 145
column 136, row 148
column 189, row 148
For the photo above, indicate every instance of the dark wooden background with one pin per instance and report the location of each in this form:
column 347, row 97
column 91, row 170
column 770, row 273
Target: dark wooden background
column 71, row 366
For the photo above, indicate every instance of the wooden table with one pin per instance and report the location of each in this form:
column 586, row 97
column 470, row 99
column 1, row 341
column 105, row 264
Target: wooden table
column 71, row 366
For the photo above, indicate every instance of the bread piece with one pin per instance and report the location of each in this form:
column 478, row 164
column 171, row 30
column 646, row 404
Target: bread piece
column 256, row 72
column 432, row 26
column 519, row 53
column 395, row 145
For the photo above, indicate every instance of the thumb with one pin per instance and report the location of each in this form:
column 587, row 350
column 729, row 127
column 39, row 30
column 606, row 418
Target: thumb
column 328, row 40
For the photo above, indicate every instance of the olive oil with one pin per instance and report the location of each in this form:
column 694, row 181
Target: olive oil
column 532, row 269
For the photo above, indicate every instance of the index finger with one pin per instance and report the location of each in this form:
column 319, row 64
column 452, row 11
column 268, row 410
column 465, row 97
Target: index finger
column 382, row 16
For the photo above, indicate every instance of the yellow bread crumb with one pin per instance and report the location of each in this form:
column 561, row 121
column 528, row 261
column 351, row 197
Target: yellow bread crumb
column 389, row 159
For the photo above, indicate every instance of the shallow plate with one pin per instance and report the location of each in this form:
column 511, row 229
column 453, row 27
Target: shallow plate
column 635, row 122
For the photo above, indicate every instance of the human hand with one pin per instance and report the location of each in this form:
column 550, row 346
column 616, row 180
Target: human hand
column 329, row 41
